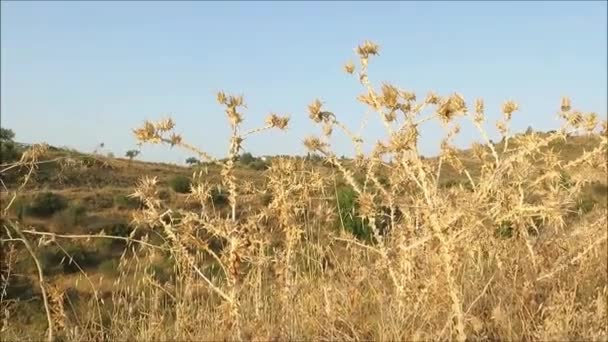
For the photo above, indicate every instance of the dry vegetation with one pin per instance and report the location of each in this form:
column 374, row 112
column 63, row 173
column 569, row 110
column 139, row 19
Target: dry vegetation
column 504, row 241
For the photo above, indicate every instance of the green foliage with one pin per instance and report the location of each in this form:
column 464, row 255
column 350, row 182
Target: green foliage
column 266, row 198
column 600, row 190
column 246, row 158
column 347, row 203
column 585, row 204
column 8, row 150
column 131, row 154
column 72, row 216
column 192, row 161
column 45, row 204
column 565, row 180
column 126, row 202
column 54, row 258
column 162, row 271
column 258, row 165
column 450, row 183
column 109, row 267
column 504, row 230
column 180, row 184
column 119, row 229
column 219, row 196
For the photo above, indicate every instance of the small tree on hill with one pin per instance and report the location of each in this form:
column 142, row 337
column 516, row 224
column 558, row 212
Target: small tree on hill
column 530, row 130
column 8, row 150
column 246, row 158
column 131, row 154
column 192, row 161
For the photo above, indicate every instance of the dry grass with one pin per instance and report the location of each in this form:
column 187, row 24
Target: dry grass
column 507, row 253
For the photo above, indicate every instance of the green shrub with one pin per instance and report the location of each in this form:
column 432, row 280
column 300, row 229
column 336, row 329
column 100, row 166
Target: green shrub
column 72, row 216
column 504, row 230
column 119, row 229
column 8, row 151
column 585, row 204
column 19, row 207
column 180, row 184
column 600, row 190
column 565, row 180
column 219, row 196
column 347, row 202
column 53, row 258
column 246, row 158
column 266, row 198
column 126, row 202
column 46, row 204
column 258, row 165
column 164, row 194
column 162, row 271
column 109, row 267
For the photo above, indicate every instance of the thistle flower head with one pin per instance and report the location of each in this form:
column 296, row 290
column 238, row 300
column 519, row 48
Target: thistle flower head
column 408, row 96
column 390, row 96
column 314, row 144
column 164, row 125
column 176, row 139
column 147, row 133
column 280, row 122
column 508, row 108
column 349, row 67
column 566, row 106
column 314, row 110
column 367, row 48
column 432, row 98
column 449, row 108
column 221, row 97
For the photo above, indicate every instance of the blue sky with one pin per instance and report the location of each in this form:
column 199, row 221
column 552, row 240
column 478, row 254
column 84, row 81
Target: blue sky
column 80, row 73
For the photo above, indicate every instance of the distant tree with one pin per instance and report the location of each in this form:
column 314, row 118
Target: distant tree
column 530, row 130
column 6, row 134
column 246, row 158
column 8, row 150
column 131, row 154
column 110, row 155
column 192, row 161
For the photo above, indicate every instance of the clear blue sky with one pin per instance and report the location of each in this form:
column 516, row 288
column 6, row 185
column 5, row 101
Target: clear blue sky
column 80, row 73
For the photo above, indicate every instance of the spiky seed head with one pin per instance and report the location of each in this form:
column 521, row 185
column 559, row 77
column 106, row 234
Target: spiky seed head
column 314, row 144
column 508, row 108
column 236, row 101
column 367, row 48
column 479, row 106
column 391, row 116
column 366, row 204
column 314, row 110
column 449, row 108
column 566, row 106
column 432, row 98
column 349, row 67
column 221, row 97
column 165, row 125
column 404, row 140
column 277, row 121
column 390, row 96
column 176, row 139
column 408, row 96
column 368, row 99
column 147, row 133
column 502, row 128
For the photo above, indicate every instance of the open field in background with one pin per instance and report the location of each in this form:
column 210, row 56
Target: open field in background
column 502, row 241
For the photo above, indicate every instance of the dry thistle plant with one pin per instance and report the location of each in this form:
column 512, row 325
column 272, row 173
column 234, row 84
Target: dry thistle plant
column 494, row 243
column 236, row 233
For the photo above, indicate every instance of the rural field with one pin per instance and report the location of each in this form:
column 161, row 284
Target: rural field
column 504, row 239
